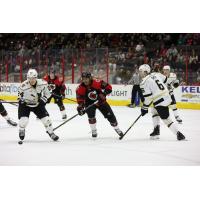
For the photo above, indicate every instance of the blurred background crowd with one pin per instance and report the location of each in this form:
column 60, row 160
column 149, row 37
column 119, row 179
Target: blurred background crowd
column 111, row 56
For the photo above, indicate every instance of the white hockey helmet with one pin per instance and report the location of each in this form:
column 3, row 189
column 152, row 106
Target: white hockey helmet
column 145, row 68
column 167, row 67
column 32, row 73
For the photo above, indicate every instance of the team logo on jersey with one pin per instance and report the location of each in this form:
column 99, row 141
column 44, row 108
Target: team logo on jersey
column 92, row 95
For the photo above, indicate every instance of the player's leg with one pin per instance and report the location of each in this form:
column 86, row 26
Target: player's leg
column 175, row 110
column 164, row 115
column 91, row 113
column 61, row 107
column 23, row 115
column 48, row 101
column 5, row 115
column 133, row 95
column 108, row 113
column 140, row 94
column 156, row 124
column 41, row 112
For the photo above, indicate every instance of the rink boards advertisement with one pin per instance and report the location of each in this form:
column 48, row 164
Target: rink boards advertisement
column 186, row 96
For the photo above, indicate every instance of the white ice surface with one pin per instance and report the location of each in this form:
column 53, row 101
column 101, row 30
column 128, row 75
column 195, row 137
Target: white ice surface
column 76, row 147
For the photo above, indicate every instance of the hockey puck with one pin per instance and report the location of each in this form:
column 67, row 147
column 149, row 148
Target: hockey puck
column 20, row 142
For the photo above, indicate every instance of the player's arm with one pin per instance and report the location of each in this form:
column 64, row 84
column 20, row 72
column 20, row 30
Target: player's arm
column 21, row 94
column 46, row 93
column 147, row 94
column 175, row 82
column 106, row 87
column 62, row 89
column 80, row 97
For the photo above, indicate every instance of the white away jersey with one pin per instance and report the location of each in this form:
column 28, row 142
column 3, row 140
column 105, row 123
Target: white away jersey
column 154, row 90
column 170, row 80
column 31, row 95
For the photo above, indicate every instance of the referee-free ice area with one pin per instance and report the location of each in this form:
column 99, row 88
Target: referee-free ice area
column 77, row 147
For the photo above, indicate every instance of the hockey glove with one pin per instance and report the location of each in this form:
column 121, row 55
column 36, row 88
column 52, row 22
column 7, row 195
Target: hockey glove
column 144, row 111
column 51, row 87
column 176, row 83
column 81, row 110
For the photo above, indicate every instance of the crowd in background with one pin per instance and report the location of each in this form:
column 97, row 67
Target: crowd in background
column 18, row 41
column 126, row 51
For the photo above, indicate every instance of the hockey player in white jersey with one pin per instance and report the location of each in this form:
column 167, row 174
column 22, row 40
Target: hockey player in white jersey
column 172, row 82
column 156, row 92
column 33, row 95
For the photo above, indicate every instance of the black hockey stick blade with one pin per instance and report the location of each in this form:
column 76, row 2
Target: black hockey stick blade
column 74, row 116
column 121, row 137
column 64, row 98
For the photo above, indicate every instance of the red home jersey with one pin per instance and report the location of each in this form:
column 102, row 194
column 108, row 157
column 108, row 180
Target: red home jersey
column 89, row 94
column 59, row 85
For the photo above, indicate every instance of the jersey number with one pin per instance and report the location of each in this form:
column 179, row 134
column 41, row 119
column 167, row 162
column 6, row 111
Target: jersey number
column 160, row 85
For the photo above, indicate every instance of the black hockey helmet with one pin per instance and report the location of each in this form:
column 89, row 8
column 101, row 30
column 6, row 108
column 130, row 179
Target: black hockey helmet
column 86, row 75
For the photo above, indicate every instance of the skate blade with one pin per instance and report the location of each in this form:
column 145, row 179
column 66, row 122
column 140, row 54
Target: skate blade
column 154, row 137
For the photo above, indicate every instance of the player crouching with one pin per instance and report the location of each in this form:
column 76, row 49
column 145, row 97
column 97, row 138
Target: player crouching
column 154, row 90
column 33, row 94
column 89, row 91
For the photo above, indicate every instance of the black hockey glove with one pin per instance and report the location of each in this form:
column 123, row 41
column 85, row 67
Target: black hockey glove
column 81, row 110
column 176, row 83
column 144, row 111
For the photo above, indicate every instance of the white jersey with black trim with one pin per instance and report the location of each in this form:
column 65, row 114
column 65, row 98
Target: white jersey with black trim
column 32, row 94
column 155, row 91
column 170, row 80
column 162, row 77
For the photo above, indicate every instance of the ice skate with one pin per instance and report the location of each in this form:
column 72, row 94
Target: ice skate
column 53, row 136
column 64, row 117
column 180, row 136
column 22, row 134
column 94, row 133
column 155, row 134
column 131, row 106
column 178, row 119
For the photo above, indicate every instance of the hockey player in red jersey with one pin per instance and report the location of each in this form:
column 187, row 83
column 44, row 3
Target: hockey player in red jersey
column 89, row 91
column 58, row 91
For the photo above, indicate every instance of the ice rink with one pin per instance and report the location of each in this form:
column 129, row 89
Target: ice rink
column 77, row 147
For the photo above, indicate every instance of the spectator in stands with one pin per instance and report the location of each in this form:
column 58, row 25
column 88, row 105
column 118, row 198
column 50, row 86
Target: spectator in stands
column 193, row 60
column 181, row 59
column 181, row 40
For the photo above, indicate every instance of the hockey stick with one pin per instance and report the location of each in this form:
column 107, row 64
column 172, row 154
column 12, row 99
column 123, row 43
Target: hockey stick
column 64, row 98
column 74, row 116
column 10, row 102
column 121, row 137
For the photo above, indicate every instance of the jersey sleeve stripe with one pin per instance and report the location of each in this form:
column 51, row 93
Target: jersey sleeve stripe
column 147, row 95
column 158, row 101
